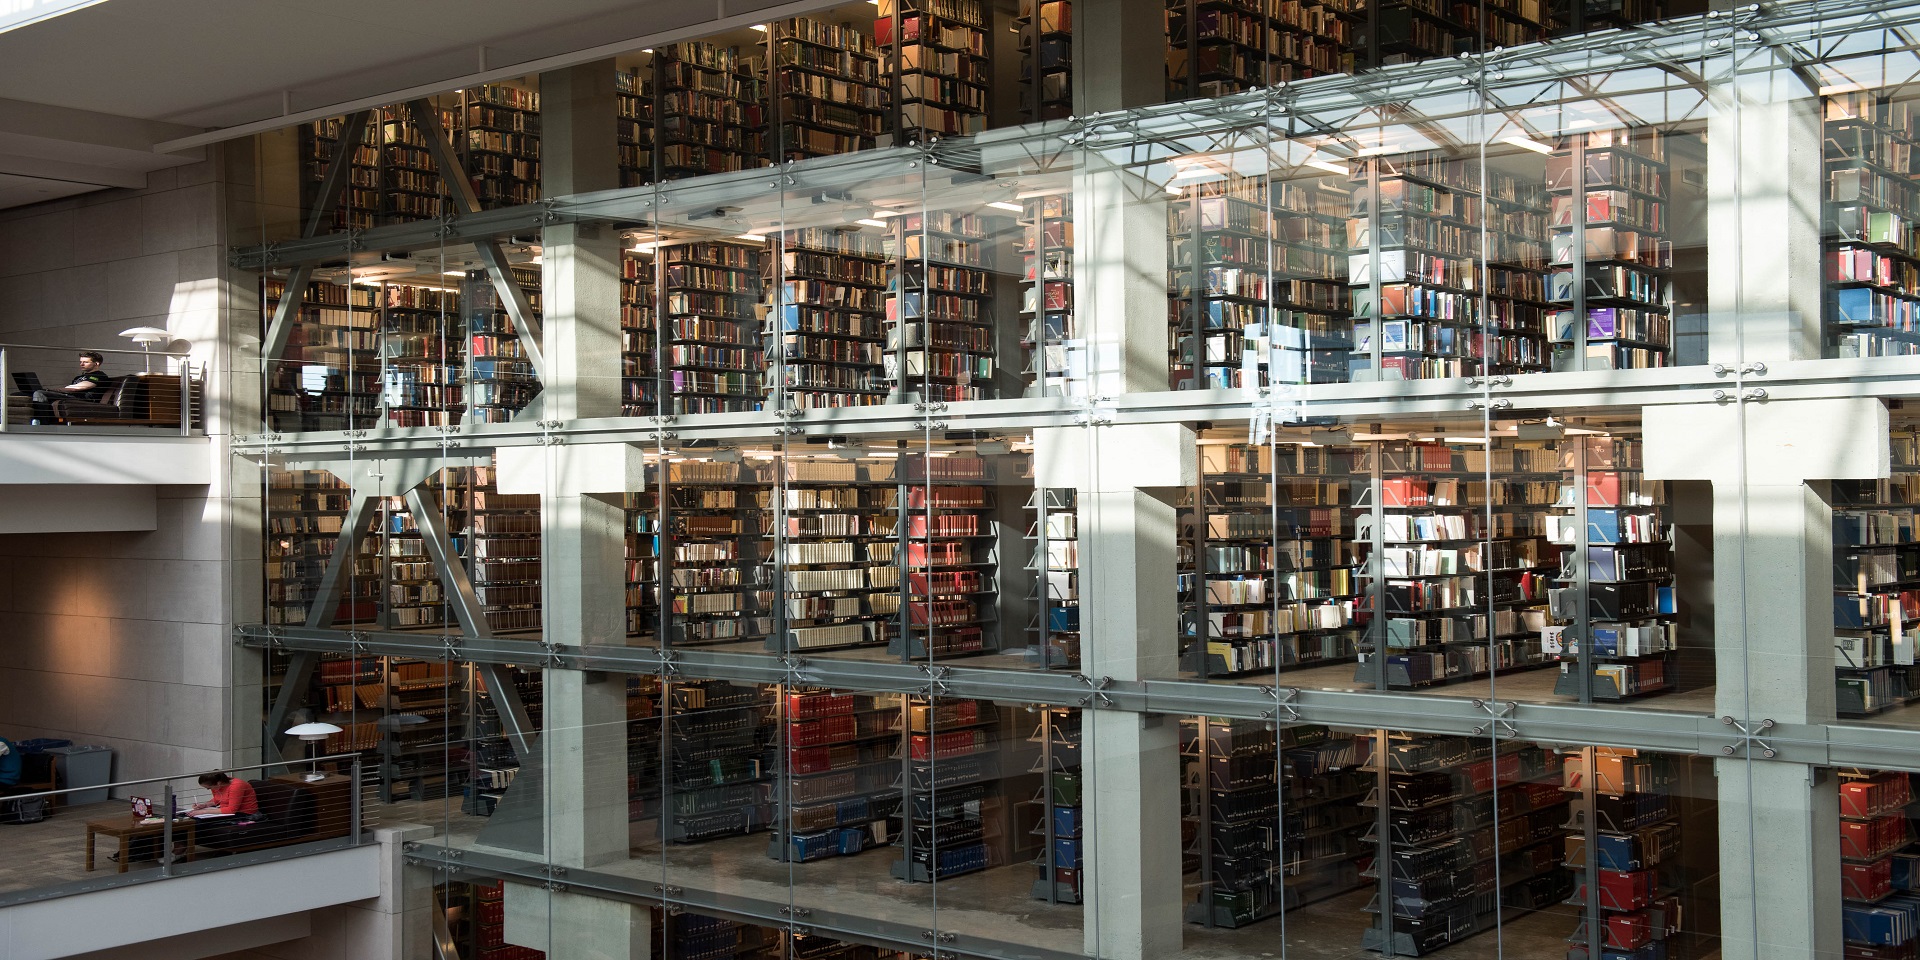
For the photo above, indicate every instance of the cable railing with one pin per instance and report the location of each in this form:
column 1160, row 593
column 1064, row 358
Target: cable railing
column 132, row 391
column 80, row 839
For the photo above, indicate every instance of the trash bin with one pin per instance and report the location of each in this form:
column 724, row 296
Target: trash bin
column 86, row 765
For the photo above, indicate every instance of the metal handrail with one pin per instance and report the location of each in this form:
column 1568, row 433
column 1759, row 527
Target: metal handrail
column 186, row 374
column 181, row 776
column 116, row 351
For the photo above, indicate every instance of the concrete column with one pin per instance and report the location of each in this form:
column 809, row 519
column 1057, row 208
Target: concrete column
column 1126, row 478
column 1120, row 279
column 575, row 926
column 1763, row 230
column 580, row 269
column 1769, row 463
column 1116, row 65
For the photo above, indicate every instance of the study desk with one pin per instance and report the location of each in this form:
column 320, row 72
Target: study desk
column 127, row 829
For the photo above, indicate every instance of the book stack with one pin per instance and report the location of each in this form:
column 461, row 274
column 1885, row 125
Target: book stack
column 1879, row 873
column 359, row 203
column 1275, row 814
column 1455, row 805
column 499, row 143
column 503, row 540
column 718, row 780
column 944, row 505
column 839, row 553
column 939, row 307
column 305, row 510
column 837, row 775
column 413, row 595
column 1627, row 618
column 716, row 573
column 709, row 107
column 1268, row 577
column 639, row 334
column 328, row 378
column 1611, row 262
column 1421, row 287
column 415, row 761
column 827, row 93
column 1054, row 536
column 500, row 381
column 824, row 332
column 712, row 356
column 492, row 764
column 1411, row 30
column 937, row 52
column 1257, row 275
column 1046, row 58
column 644, row 522
column 1876, row 585
column 955, row 817
column 711, row 938
column 422, row 336
column 411, row 184
column 633, row 131
column 1460, row 582
column 1216, row 47
column 1061, row 824
column 1873, row 257
column 1055, row 357
column 1632, row 874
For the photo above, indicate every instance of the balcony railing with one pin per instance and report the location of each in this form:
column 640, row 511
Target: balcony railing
column 164, row 392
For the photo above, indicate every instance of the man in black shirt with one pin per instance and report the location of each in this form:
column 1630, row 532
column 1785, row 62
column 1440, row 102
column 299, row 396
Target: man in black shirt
column 91, row 384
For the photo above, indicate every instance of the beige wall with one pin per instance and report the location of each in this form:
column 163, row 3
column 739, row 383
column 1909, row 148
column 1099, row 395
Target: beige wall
column 123, row 639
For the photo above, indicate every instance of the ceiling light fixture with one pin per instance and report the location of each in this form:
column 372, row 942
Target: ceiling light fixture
column 1525, row 143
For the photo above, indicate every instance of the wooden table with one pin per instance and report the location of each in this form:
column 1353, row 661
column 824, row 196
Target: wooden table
column 126, row 829
column 332, row 803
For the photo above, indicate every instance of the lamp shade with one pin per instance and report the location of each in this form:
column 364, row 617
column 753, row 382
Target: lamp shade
column 148, row 335
column 312, row 731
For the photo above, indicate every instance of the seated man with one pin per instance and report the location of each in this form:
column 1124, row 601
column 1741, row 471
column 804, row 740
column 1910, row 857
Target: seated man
column 91, row 384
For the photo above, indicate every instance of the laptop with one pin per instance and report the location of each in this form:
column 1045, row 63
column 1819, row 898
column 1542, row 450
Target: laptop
column 28, row 383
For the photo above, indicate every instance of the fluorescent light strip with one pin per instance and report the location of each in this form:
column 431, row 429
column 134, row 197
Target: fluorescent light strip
column 1327, row 166
column 1005, row 205
column 752, row 237
column 870, row 222
column 1526, row 144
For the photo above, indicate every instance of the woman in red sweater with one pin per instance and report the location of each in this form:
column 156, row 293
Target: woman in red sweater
column 228, row 796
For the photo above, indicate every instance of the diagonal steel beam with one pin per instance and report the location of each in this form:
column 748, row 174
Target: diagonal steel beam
column 465, row 201
column 431, row 523
column 332, row 184
column 291, row 696
column 515, row 723
column 352, row 528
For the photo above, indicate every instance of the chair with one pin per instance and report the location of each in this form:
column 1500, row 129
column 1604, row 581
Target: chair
column 133, row 399
column 289, row 815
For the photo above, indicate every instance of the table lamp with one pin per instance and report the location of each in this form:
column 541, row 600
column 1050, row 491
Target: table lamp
column 146, row 337
column 313, row 733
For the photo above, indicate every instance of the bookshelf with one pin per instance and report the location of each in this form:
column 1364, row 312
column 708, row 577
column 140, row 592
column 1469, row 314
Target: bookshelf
column 711, row 938
column 1411, row 30
column 946, row 530
column 1878, row 877
column 413, row 596
column 423, row 757
column 1053, row 536
column 1054, row 354
column 716, row 577
column 1275, row 816
column 836, row 774
column 1257, row 281
column 328, row 378
column 500, row 143
column 1061, row 820
column 1450, row 805
column 1419, row 285
column 359, row 203
column 305, row 511
column 957, row 778
column 1219, row 47
column 644, row 544
column 1269, row 577
column 718, row 741
column 825, row 326
column 939, row 308
column 1046, row 59
column 1623, row 850
column 1462, row 573
column 421, row 340
column 644, row 738
column 1872, row 249
column 411, row 185
column 1617, row 554
column 937, row 58
column 712, row 356
column 709, row 104
column 1611, row 259
column 839, row 553
column 826, row 92
column 498, row 378
column 633, row 130
column 1876, row 571
column 503, row 543
column 639, row 335
column 492, row 762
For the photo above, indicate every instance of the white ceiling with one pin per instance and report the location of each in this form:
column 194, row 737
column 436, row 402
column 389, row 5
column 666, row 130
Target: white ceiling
column 96, row 87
